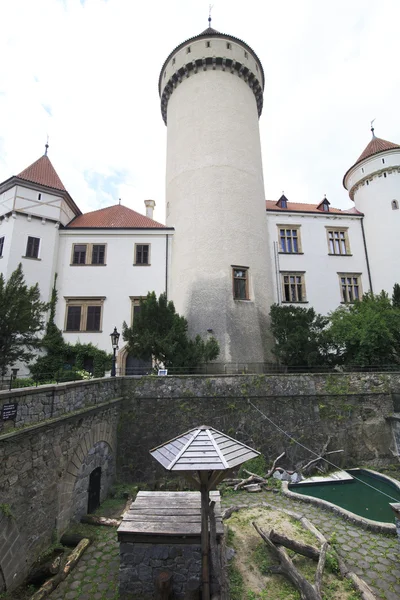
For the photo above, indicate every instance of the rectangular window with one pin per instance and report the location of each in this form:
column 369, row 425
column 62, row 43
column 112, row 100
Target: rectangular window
column 79, row 257
column 1, row 245
column 32, row 247
column 83, row 314
column 135, row 306
column 350, row 287
column 240, row 283
column 88, row 254
column 98, row 254
column 338, row 241
column 293, row 287
column 142, row 254
column 289, row 239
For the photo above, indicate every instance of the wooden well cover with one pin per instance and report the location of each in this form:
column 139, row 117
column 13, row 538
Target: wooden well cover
column 202, row 449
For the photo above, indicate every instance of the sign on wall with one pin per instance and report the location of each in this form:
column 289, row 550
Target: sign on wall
column 9, row 411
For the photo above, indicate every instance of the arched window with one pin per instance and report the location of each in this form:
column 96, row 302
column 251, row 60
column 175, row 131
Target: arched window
column 395, row 205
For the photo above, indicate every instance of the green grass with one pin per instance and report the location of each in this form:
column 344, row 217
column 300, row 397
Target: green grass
column 236, row 584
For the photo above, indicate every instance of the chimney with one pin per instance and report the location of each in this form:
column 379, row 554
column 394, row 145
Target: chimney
column 150, row 204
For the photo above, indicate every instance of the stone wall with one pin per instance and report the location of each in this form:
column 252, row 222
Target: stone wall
column 37, row 404
column 45, row 464
column 140, row 565
column 349, row 409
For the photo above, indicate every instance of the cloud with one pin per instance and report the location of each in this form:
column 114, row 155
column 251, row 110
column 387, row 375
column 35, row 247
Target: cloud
column 86, row 73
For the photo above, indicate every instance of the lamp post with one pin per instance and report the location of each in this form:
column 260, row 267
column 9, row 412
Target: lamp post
column 114, row 342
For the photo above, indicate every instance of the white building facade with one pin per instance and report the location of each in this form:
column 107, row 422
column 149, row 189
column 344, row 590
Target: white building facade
column 225, row 254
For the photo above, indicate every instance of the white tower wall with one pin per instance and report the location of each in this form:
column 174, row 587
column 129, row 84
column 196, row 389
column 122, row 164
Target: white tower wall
column 215, row 200
column 373, row 184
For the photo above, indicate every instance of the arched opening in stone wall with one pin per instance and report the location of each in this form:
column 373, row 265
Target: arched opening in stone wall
column 93, row 480
column 127, row 364
column 94, row 490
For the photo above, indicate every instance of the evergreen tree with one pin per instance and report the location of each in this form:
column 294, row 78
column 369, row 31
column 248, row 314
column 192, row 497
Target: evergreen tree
column 159, row 332
column 396, row 296
column 21, row 319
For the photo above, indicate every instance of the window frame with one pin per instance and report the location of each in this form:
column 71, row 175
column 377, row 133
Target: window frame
column 246, row 280
column 339, row 230
column 359, row 285
column 302, row 283
column 298, row 238
column 84, row 303
column 142, row 264
column 31, row 256
column 2, row 239
column 89, row 255
column 135, row 301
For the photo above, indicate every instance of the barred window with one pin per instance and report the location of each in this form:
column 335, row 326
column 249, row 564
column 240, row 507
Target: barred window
column 350, row 287
column 293, row 287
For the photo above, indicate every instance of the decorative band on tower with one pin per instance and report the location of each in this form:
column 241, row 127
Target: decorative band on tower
column 220, row 62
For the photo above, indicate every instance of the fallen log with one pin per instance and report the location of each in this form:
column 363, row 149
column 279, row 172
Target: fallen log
column 287, row 568
column 39, row 574
column 93, row 520
column 72, row 560
column 272, row 469
column 303, row 549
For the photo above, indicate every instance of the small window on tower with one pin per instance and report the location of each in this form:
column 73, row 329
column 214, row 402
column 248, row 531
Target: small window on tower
column 240, row 283
column 246, row 55
column 173, row 61
column 39, row 196
column 228, row 46
column 2, row 242
column 383, row 160
column 208, row 44
column 384, row 175
column 188, row 50
column 395, row 205
column 32, row 247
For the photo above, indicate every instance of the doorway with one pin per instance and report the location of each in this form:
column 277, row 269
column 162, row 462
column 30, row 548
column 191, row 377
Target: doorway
column 94, row 490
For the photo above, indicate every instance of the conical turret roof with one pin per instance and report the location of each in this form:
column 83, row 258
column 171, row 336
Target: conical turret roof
column 42, row 172
column 375, row 146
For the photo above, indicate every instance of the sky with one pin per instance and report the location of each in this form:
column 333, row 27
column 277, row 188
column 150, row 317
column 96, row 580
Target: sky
column 85, row 73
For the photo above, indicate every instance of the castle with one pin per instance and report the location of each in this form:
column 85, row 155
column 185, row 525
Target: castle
column 225, row 254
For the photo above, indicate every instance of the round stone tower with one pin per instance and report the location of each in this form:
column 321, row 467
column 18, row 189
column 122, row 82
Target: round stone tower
column 211, row 89
column 373, row 183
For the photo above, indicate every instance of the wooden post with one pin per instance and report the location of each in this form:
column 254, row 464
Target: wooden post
column 164, row 585
column 205, row 571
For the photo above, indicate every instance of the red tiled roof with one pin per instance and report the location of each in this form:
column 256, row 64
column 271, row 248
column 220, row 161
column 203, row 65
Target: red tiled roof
column 309, row 208
column 117, row 216
column 43, row 173
column 375, row 146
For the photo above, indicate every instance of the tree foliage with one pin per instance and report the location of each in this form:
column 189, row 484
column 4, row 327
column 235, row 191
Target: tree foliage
column 300, row 335
column 367, row 331
column 396, row 296
column 21, row 319
column 62, row 361
column 158, row 331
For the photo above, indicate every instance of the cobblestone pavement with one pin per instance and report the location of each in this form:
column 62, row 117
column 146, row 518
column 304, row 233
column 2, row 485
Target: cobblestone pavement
column 373, row 556
column 96, row 575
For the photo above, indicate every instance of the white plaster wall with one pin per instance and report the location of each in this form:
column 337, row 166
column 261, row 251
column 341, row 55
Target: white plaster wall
column 39, row 270
column 218, row 47
column 6, row 230
column 116, row 281
column 7, row 200
column 27, row 201
column 381, row 223
column 323, row 291
column 215, row 201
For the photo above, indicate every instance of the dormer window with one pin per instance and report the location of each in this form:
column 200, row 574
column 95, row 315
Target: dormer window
column 282, row 202
column 324, row 205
